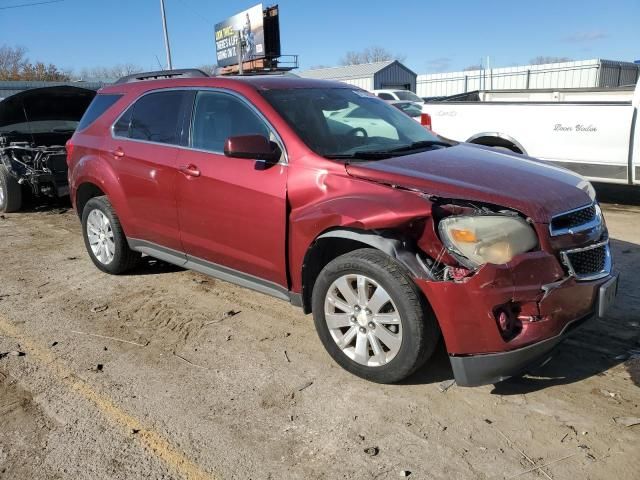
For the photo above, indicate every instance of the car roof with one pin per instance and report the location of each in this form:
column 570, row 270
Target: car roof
column 257, row 82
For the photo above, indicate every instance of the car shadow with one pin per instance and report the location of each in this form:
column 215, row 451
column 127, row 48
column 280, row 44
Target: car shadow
column 437, row 369
column 51, row 206
column 622, row 194
column 153, row 266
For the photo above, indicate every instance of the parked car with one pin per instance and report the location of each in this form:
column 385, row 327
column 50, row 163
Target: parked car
column 34, row 126
column 390, row 240
column 593, row 132
column 405, row 95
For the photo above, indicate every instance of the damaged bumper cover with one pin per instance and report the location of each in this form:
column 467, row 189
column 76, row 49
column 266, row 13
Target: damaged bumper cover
column 543, row 301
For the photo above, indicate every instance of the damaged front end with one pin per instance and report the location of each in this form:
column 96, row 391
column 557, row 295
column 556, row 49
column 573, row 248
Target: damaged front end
column 34, row 127
column 499, row 318
column 43, row 169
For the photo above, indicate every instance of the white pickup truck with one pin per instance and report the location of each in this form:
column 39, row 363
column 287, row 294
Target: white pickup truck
column 593, row 132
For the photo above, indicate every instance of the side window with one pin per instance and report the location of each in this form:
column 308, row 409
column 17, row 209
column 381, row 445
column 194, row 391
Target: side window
column 386, row 96
column 156, row 117
column 218, row 116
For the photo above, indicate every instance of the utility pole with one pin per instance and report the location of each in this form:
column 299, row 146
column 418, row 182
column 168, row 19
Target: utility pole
column 166, row 36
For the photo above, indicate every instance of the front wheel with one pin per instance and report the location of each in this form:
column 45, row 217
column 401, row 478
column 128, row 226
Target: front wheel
column 104, row 238
column 371, row 317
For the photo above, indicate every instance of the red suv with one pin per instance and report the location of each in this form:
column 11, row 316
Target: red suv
column 321, row 194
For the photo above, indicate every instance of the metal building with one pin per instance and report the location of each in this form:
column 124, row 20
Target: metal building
column 369, row 76
column 579, row 74
column 10, row 87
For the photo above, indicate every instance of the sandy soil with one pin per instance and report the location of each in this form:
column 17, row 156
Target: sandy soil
column 165, row 373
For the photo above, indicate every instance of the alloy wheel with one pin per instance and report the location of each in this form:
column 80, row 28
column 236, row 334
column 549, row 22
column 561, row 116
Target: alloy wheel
column 100, row 235
column 363, row 320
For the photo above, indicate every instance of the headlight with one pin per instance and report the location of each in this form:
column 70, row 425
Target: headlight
column 476, row 240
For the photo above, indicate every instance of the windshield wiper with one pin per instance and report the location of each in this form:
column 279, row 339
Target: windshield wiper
column 420, row 144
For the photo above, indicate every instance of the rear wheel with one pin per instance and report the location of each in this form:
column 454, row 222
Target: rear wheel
column 104, row 238
column 371, row 317
column 10, row 192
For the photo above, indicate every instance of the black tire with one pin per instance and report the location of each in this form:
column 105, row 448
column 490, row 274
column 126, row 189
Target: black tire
column 420, row 332
column 124, row 258
column 11, row 195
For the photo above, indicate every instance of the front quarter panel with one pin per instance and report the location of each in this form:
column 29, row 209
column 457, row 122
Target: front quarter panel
column 319, row 203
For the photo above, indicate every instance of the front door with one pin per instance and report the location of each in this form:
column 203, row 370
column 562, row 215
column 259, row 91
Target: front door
column 232, row 212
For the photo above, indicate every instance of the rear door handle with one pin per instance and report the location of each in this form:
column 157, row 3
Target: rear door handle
column 190, row 170
column 117, row 153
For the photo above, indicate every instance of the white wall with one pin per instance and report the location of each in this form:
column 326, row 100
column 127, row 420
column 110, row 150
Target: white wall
column 365, row 83
column 580, row 74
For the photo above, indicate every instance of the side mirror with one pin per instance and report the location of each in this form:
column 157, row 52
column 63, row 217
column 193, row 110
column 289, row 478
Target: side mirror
column 253, row 147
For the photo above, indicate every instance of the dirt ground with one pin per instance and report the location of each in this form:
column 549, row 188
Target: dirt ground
column 165, row 373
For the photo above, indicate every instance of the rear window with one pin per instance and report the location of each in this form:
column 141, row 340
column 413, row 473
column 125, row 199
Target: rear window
column 98, row 106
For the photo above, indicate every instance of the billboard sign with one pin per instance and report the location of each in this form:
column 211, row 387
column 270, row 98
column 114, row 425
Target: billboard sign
column 250, row 25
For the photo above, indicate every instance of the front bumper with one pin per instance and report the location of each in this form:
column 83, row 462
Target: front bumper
column 548, row 303
column 476, row 370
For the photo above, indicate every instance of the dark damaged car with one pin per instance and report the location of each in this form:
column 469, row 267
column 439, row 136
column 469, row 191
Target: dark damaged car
column 389, row 235
column 34, row 127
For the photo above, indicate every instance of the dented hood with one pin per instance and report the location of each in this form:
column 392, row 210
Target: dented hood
column 61, row 103
column 482, row 174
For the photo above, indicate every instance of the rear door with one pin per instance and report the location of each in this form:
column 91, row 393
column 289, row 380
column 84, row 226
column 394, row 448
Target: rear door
column 232, row 211
column 144, row 151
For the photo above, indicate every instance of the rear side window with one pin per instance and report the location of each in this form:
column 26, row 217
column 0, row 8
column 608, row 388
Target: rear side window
column 156, row 117
column 386, row 96
column 97, row 107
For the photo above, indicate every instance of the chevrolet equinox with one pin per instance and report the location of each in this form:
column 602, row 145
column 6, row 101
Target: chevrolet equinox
column 323, row 195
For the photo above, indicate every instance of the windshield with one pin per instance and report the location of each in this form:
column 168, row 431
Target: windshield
column 409, row 108
column 407, row 95
column 341, row 122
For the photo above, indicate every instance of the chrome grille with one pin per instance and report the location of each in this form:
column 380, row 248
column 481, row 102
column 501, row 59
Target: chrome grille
column 577, row 220
column 588, row 263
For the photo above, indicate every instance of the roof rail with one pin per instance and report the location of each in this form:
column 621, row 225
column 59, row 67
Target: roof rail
column 163, row 74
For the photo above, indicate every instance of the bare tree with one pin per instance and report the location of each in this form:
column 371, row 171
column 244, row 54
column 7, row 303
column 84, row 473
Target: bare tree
column 473, row 67
column 14, row 65
column 116, row 71
column 12, row 61
column 542, row 59
column 370, row 55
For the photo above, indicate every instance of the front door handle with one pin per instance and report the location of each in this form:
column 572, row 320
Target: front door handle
column 190, row 170
column 117, row 153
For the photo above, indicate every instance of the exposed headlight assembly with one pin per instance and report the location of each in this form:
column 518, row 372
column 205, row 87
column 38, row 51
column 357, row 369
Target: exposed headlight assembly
column 476, row 240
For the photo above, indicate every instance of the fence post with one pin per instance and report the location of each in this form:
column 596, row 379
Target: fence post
column 528, row 77
column 466, row 78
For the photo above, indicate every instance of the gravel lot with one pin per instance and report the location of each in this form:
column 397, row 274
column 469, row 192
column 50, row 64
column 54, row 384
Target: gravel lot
column 165, row 373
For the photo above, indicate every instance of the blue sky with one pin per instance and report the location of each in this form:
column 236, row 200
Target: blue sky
column 434, row 36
